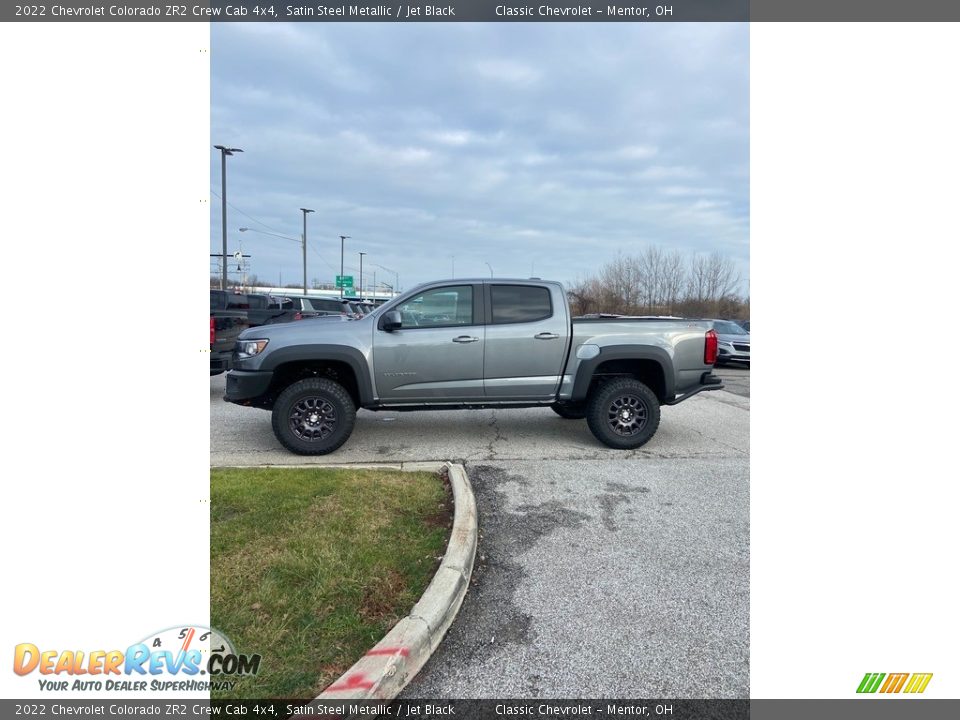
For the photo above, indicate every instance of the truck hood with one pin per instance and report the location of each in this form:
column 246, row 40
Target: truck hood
column 308, row 330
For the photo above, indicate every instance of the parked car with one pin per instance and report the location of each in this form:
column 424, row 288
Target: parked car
column 473, row 344
column 260, row 309
column 733, row 342
column 226, row 324
column 353, row 308
column 314, row 305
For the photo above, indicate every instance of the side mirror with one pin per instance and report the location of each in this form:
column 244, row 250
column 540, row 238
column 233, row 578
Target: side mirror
column 391, row 321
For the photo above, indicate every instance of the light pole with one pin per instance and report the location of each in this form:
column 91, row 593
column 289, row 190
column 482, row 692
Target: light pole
column 305, row 211
column 361, row 274
column 224, row 151
column 342, row 238
column 491, row 269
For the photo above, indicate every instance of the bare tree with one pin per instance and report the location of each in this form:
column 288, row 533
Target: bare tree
column 723, row 278
column 660, row 281
column 673, row 276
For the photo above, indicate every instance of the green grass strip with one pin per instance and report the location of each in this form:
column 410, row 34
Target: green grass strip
column 311, row 567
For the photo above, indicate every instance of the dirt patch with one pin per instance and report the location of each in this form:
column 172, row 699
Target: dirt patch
column 380, row 599
column 443, row 517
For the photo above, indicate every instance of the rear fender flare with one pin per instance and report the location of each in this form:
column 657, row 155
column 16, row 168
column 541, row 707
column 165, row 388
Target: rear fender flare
column 587, row 368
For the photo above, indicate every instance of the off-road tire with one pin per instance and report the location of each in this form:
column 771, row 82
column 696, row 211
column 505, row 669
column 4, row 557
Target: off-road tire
column 313, row 416
column 623, row 413
column 569, row 411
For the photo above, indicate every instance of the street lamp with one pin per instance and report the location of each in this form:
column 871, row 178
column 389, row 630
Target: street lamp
column 361, row 274
column 305, row 211
column 224, row 151
column 342, row 238
column 491, row 269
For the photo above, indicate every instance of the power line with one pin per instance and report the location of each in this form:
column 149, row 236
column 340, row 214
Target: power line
column 251, row 217
column 325, row 262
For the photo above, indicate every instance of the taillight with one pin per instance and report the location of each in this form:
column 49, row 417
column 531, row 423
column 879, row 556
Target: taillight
column 298, row 316
column 213, row 331
column 710, row 348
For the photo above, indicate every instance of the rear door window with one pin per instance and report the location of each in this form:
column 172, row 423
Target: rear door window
column 519, row 303
column 281, row 303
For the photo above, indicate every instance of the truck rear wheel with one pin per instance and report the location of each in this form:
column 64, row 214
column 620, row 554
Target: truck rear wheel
column 623, row 413
column 313, row 416
column 569, row 411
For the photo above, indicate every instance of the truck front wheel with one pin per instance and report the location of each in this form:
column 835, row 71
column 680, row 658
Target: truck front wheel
column 313, row 416
column 623, row 413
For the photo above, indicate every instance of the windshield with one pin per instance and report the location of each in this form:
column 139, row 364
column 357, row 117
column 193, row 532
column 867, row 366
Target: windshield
column 728, row 328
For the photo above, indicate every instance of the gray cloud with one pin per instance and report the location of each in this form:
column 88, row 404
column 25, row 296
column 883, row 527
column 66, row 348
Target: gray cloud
column 552, row 146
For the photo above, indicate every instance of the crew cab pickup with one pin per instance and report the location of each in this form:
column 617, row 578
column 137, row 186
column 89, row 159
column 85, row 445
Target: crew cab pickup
column 260, row 309
column 226, row 325
column 472, row 344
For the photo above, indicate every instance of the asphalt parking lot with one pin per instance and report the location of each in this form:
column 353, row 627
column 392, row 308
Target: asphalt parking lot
column 598, row 572
column 736, row 378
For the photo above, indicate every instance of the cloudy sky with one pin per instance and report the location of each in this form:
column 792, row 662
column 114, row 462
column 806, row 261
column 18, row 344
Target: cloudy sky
column 442, row 147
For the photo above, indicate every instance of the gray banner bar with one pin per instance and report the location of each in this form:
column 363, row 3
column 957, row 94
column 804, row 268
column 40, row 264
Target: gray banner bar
column 383, row 11
column 872, row 708
column 484, row 11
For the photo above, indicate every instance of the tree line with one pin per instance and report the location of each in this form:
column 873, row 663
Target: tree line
column 663, row 282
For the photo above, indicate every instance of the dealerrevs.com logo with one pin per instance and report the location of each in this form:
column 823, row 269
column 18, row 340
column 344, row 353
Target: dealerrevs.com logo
column 894, row 682
column 182, row 658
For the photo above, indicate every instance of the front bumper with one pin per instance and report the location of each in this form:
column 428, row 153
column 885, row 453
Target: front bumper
column 245, row 386
column 220, row 362
column 725, row 355
column 708, row 381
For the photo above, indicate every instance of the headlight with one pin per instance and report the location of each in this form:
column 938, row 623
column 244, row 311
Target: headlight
column 249, row 348
column 726, row 344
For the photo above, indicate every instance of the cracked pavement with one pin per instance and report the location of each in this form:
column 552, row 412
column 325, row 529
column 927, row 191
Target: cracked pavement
column 710, row 425
column 603, row 578
column 598, row 572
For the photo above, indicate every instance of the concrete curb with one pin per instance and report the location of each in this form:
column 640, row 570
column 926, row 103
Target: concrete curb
column 394, row 661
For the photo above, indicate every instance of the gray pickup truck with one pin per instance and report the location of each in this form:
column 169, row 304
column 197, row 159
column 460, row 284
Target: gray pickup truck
column 471, row 344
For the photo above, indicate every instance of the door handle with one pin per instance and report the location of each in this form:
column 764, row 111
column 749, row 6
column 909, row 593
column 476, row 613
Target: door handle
column 546, row 336
column 465, row 339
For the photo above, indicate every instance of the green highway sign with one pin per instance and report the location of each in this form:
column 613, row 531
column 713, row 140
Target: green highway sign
column 344, row 281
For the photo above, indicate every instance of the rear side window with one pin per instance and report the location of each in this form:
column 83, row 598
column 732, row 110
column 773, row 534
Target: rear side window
column 326, row 306
column 519, row 303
